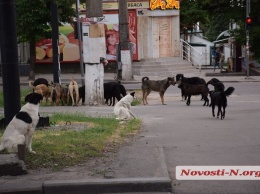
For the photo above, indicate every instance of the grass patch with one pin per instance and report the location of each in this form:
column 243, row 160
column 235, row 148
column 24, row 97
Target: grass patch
column 62, row 145
column 23, row 93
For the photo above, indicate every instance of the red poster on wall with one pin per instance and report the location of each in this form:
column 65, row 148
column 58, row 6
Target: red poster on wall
column 111, row 22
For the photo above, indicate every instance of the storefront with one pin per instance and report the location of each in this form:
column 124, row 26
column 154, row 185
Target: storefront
column 154, row 31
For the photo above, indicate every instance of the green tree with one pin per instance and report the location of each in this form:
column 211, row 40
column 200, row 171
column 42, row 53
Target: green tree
column 191, row 13
column 33, row 19
column 222, row 12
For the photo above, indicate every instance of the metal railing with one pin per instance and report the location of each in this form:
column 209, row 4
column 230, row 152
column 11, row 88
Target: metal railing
column 23, row 56
column 192, row 55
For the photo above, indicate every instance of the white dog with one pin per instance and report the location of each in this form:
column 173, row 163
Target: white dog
column 122, row 108
column 21, row 128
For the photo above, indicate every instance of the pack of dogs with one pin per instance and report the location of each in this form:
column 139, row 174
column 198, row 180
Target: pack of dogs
column 21, row 128
column 191, row 86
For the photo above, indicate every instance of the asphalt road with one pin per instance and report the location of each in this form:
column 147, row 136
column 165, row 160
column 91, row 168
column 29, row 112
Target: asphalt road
column 191, row 136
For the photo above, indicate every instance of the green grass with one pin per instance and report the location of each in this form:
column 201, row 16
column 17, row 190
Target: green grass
column 58, row 147
column 23, row 93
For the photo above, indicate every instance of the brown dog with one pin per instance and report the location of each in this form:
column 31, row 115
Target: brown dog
column 73, row 90
column 41, row 89
column 58, row 94
column 157, row 86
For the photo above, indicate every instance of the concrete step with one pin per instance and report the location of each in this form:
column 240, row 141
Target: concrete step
column 162, row 67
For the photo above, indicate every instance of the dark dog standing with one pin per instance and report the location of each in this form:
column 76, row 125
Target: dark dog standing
column 158, row 86
column 191, row 90
column 112, row 91
column 220, row 99
column 189, row 80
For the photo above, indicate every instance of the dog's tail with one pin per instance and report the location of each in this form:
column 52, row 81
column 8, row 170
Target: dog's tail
column 229, row 91
column 145, row 79
column 31, row 84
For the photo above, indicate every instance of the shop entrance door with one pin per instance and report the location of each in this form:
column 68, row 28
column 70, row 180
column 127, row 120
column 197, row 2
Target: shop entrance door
column 161, row 35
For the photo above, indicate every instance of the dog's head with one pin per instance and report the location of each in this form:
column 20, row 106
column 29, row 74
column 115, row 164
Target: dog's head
column 171, row 80
column 103, row 61
column 33, row 98
column 179, row 76
column 132, row 94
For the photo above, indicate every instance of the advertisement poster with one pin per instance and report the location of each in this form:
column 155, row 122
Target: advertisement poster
column 112, row 34
column 68, row 45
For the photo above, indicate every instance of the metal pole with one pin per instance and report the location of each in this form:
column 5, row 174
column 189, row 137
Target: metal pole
column 55, row 42
column 9, row 58
column 80, row 43
column 247, row 38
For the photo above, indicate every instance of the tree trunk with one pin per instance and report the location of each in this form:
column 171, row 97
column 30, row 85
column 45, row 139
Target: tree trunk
column 32, row 61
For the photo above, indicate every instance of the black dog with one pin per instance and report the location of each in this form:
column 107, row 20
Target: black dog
column 191, row 90
column 112, row 91
column 82, row 94
column 218, row 85
column 188, row 80
column 39, row 81
column 220, row 99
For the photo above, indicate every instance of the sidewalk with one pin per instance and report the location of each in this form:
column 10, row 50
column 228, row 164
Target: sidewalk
column 206, row 74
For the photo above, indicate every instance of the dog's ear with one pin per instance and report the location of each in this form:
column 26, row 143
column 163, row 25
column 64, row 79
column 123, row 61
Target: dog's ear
column 132, row 94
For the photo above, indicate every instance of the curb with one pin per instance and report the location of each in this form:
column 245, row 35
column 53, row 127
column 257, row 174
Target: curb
column 157, row 184
column 121, row 185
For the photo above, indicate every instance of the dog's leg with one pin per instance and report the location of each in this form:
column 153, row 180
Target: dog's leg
column 132, row 114
column 28, row 142
column 77, row 94
column 219, row 111
column 213, row 109
column 162, row 97
column 146, row 95
column 188, row 101
column 223, row 113
column 143, row 97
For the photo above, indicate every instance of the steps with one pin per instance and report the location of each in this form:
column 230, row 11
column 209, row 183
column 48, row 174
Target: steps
column 169, row 66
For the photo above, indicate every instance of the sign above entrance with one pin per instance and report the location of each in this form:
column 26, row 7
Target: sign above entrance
column 164, row 4
column 114, row 5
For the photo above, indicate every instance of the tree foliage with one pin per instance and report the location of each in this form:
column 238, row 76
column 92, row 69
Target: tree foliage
column 33, row 22
column 219, row 14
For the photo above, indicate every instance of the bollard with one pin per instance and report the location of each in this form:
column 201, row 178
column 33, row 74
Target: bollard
column 21, row 151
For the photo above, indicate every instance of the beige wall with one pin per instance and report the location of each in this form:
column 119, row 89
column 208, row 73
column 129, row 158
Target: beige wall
column 147, row 26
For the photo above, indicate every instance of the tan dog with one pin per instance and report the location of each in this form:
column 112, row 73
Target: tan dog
column 73, row 90
column 41, row 89
column 58, row 94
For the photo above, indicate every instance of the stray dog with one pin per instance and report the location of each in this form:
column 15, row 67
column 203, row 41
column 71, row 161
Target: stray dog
column 191, row 90
column 58, row 94
column 82, row 94
column 41, row 89
column 73, row 89
column 39, row 81
column 122, row 108
column 218, row 85
column 157, row 86
column 21, row 128
column 220, row 99
column 188, row 80
column 112, row 91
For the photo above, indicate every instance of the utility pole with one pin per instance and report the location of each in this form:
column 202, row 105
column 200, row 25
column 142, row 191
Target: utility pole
column 124, row 43
column 55, row 42
column 80, row 42
column 9, row 58
column 94, row 51
column 247, row 38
